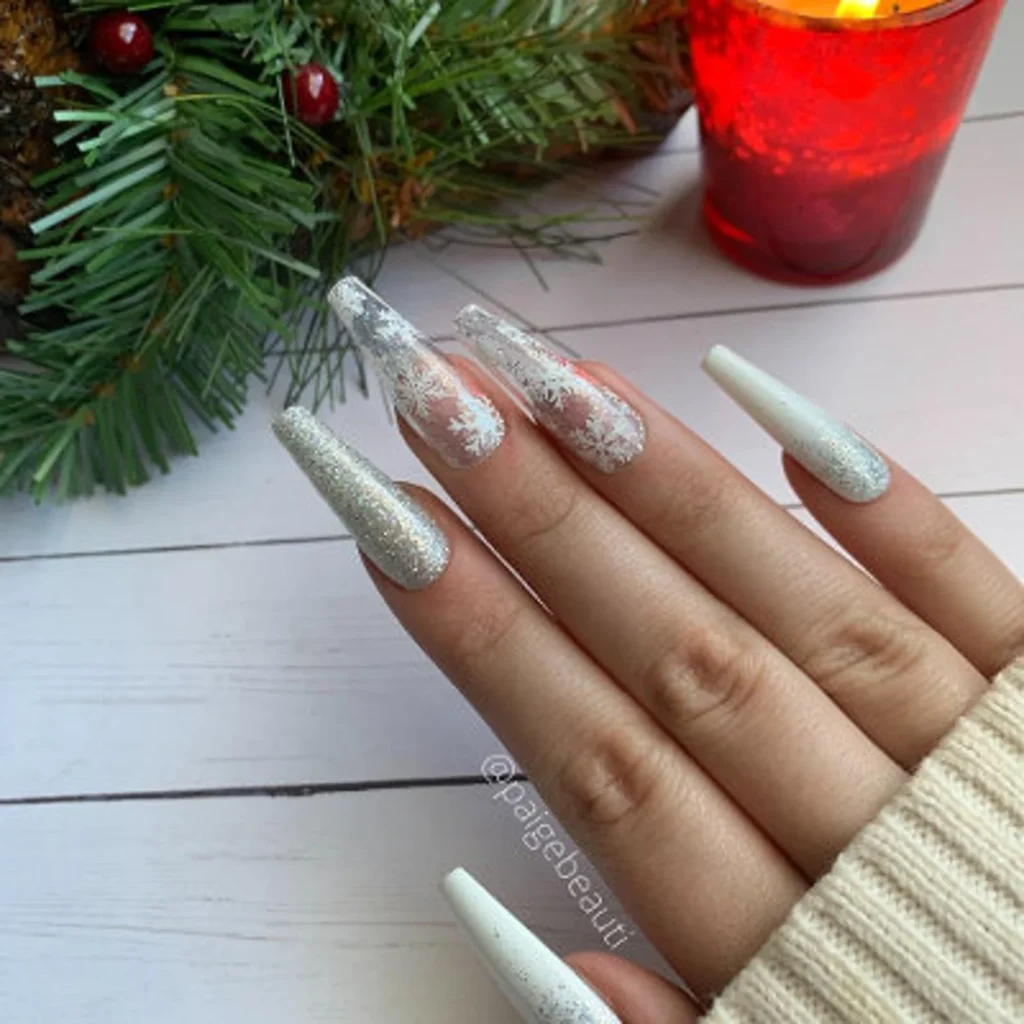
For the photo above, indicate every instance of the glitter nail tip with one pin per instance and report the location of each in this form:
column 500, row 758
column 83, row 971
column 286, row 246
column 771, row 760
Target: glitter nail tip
column 391, row 529
column 829, row 450
column 538, row 983
column 587, row 417
column 461, row 426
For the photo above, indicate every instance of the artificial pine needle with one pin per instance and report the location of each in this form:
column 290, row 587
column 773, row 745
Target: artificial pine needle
column 191, row 218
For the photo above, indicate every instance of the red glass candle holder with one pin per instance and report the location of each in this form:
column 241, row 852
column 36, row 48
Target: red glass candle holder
column 823, row 138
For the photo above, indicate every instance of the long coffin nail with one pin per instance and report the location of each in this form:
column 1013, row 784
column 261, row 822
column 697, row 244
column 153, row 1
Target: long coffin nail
column 462, row 427
column 391, row 529
column 537, row 982
column 587, row 417
column 829, row 450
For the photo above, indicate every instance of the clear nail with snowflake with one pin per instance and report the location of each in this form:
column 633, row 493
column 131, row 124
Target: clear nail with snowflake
column 587, row 417
column 461, row 426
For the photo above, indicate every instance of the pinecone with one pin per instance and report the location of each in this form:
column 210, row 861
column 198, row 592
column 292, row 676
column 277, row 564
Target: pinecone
column 33, row 41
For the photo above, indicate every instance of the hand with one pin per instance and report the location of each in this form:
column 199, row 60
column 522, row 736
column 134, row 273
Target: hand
column 711, row 699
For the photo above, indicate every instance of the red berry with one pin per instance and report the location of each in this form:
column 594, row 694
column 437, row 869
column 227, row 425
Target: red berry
column 311, row 94
column 122, row 42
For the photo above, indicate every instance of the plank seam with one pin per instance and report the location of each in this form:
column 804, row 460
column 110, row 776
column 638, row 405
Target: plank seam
column 284, row 791
column 712, row 314
column 269, row 542
column 852, row 300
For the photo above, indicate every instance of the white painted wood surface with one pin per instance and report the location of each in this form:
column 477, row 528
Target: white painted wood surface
column 243, row 666
column 214, row 630
column 317, row 910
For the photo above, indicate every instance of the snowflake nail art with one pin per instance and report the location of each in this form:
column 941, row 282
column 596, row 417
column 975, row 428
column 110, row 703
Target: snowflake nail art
column 462, row 427
column 587, row 417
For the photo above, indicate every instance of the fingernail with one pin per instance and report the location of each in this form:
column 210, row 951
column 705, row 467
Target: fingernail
column 391, row 529
column 829, row 450
column 588, row 418
column 537, row 982
column 461, row 426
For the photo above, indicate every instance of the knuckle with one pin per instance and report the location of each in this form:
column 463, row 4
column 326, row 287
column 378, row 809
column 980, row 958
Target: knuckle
column 541, row 510
column 707, row 677
column 867, row 650
column 613, row 780
column 940, row 540
column 482, row 635
column 694, row 507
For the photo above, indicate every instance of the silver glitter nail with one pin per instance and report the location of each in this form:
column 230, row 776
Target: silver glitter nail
column 588, row 418
column 391, row 529
column 829, row 450
column 845, row 463
column 461, row 426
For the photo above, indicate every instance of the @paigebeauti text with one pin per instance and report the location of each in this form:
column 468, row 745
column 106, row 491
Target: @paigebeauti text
column 540, row 836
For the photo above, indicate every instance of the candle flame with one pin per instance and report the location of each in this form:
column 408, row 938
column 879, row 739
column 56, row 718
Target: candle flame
column 857, row 8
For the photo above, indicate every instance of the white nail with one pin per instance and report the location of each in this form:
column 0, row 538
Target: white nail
column 537, row 982
column 829, row 450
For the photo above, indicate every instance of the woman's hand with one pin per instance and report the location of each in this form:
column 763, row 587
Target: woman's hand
column 711, row 699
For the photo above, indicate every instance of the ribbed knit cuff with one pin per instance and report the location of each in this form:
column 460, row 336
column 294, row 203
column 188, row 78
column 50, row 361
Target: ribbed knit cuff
column 921, row 919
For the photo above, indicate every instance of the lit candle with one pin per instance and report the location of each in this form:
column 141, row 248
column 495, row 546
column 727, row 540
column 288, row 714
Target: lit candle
column 841, row 9
column 825, row 124
column 857, row 8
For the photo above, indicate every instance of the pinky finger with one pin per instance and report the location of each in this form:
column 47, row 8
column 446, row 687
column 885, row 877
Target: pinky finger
column 893, row 525
column 918, row 549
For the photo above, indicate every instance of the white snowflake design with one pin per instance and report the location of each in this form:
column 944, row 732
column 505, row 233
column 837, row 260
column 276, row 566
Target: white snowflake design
column 593, row 421
column 611, row 437
column 418, row 387
column 480, row 427
column 544, row 377
column 425, row 388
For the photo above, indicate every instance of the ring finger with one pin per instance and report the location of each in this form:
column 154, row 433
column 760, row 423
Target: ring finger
column 899, row 680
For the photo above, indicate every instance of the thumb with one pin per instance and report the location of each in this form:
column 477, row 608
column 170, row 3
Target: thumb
column 637, row 995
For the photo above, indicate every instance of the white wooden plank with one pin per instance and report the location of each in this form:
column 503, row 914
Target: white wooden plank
column 240, row 667
column 258, row 911
column 218, row 667
column 1000, row 88
column 936, row 380
column 669, row 267
column 685, row 137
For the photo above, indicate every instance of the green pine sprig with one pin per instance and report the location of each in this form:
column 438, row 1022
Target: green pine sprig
column 193, row 225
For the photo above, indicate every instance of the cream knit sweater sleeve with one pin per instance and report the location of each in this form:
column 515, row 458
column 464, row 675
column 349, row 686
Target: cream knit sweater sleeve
column 921, row 918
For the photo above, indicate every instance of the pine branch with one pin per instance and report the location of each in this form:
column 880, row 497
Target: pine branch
column 193, row 225
column 167, row 255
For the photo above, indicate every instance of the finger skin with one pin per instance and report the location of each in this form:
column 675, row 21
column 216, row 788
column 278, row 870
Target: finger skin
column 918, row 549
column 767, row 735
column 637, row 995
column 690, row 868
column 900, row 681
